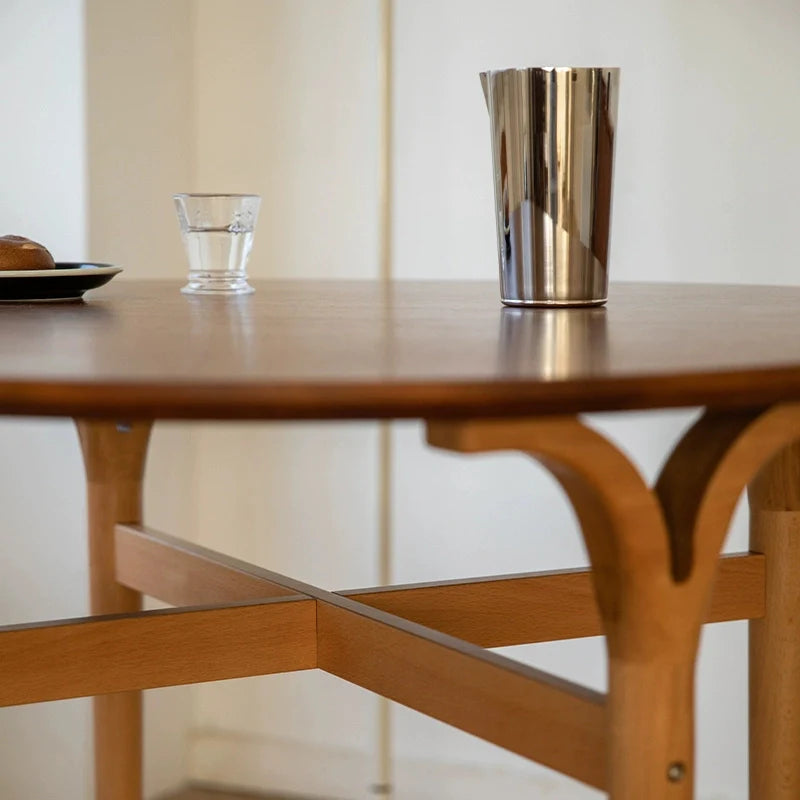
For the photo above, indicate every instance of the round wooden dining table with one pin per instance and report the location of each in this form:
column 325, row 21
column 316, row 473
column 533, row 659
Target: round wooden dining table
column 482, row 378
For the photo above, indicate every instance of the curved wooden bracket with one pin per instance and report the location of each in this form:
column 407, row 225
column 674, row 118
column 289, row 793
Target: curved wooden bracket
column 644, row 544
column 708, row 470
column 654, row 555
column 621, row 519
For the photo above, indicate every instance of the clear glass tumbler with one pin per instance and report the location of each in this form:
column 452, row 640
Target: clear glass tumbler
column 217, row 231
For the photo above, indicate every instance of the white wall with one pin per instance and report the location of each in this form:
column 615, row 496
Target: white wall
column 94, row 138
column 43, row 749
column 285, row 103
column 140, row 131
column 707, row 168
column 42, row 559
column 140, row 144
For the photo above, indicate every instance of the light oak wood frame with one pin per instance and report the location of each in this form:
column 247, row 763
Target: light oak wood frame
column 656, row 577
column 654, row 556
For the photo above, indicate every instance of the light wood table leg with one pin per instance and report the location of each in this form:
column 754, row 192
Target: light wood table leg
column 114, row 457
column 651, row 728
column 651, row 621
column 775, row 640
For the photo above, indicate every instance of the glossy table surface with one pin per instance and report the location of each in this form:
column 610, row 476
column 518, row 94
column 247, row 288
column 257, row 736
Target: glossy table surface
column 355, row 349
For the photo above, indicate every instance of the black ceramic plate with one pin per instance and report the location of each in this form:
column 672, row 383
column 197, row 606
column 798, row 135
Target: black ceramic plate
column 68, row 281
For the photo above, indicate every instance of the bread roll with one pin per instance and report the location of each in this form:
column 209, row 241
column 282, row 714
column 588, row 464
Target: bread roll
column 17, row 252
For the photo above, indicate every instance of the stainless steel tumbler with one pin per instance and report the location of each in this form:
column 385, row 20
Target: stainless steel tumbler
column 553, row 131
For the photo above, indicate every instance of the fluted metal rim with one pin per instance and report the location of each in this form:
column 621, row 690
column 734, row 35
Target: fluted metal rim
column 615, row 70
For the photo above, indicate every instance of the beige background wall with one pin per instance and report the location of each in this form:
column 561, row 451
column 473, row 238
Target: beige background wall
column 42, row 561
column 189, row 96
column 140, row 145
column 285, row 104
column 94, row 136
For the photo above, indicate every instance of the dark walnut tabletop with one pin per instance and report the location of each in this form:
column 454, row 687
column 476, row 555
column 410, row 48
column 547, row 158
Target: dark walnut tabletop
column 355, row 349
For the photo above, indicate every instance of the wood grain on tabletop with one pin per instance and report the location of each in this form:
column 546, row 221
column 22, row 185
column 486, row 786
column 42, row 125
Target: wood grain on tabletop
column 306, row 349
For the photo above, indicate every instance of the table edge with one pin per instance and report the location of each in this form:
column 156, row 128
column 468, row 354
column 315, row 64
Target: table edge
column 296, row 400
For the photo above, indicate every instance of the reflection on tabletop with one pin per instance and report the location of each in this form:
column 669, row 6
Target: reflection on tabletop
column 560, row 341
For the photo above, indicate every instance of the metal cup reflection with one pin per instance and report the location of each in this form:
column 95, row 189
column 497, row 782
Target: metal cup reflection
column 552, row 343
